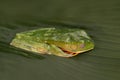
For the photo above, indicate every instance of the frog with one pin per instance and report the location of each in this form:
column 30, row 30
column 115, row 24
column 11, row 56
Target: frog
column 63, row 42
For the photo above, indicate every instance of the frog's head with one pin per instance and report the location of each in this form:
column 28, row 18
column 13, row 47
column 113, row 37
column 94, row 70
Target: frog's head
column 73, row 43
column 74, row 48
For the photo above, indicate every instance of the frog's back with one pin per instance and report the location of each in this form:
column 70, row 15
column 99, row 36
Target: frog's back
column 57, row 34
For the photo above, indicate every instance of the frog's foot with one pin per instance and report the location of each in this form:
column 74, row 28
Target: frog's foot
column 60, row 52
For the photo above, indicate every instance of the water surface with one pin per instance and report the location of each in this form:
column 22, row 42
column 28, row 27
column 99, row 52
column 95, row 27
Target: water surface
column 100, row 19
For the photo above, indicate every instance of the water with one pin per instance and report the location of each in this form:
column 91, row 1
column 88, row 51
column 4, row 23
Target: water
column 100, row 19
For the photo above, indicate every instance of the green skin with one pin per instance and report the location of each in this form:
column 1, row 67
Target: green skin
column 64, row 42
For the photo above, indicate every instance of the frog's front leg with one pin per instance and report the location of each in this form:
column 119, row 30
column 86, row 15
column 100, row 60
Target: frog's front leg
column 53, row 49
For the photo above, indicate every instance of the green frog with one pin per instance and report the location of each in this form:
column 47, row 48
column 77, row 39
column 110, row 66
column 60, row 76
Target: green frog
column 64, row 42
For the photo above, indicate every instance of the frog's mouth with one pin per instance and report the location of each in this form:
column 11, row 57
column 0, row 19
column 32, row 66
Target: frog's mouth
column 68, row 52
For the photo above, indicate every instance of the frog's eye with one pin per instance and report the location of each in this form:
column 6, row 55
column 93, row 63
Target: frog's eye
column 82, row 45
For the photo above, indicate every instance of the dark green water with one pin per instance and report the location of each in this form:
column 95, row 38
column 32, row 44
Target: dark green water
column 101, row 19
